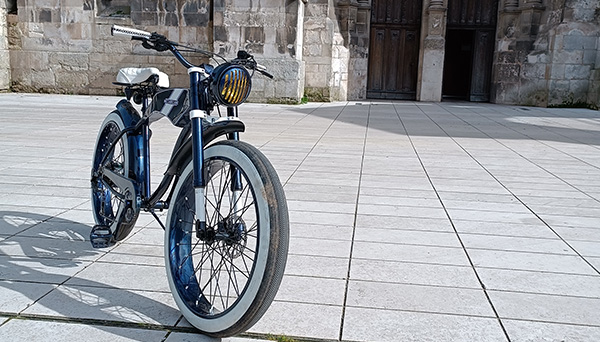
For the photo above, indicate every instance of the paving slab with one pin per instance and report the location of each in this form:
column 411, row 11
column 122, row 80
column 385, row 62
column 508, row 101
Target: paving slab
column 299, row 319
column 549, row 332
column 414, row 273
column 108, row 304
column 390, row 325
column 541, row 282
column 422, row 298
column 40, row 270
column 40, row 331
column 546, row 308
column 189, row 337
column 17, row 296
column 410, row 253
column 123, row 276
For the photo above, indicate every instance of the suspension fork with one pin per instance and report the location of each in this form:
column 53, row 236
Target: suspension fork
column 236, row 176
column 196, row 116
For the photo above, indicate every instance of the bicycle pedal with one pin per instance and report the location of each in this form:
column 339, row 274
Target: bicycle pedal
column 101, row 237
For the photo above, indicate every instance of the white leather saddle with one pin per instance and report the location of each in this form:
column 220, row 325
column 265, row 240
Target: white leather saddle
column 131, row 76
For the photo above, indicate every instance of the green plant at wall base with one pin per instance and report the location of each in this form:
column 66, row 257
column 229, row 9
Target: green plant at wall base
column 316, row 94
column 282, row 100
column 280, row 338
column 304, row 100
column 571, row 103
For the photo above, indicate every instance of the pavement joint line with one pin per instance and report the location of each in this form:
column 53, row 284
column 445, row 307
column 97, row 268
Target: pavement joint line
column 352, row 241
column 145, row 326
column 489, row 300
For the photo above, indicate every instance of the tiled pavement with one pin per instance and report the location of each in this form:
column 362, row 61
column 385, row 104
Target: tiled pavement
column 410, row 222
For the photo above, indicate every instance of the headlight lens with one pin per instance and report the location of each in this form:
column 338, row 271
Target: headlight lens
column 231, row 84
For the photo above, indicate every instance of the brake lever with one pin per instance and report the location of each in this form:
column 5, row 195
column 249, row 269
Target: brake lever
column 264, row 73
column 157, row 42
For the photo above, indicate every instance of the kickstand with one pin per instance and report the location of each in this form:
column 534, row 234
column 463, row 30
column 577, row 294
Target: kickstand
column 158, row 219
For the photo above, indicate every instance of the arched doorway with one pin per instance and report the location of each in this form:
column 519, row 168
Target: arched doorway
column 468, row 58
column 394, row 49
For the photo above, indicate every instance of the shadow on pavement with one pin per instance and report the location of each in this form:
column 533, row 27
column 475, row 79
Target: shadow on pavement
column 468, row 120
column 40, row 258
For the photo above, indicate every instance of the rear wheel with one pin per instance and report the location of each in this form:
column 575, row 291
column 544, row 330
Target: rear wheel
column 223, row 278
column 107, row 202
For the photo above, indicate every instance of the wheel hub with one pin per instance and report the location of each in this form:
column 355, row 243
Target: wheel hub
column 231, row 231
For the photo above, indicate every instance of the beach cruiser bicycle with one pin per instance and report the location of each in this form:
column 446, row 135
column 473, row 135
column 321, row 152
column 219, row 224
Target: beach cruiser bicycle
column 226, row 230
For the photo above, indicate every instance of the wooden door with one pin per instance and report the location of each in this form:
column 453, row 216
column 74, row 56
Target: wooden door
column 469, row 49
column 394, row 49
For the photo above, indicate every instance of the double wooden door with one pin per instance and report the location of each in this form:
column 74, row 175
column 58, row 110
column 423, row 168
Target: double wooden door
column 394, row 49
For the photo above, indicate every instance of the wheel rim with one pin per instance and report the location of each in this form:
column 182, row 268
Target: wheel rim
column 105, row 204
column 212, row 269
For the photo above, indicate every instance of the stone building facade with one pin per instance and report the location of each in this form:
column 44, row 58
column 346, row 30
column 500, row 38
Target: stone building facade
column 533, row 52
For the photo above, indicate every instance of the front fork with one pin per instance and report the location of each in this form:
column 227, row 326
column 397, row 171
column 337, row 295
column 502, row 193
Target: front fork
column 236, row 176
column 196, row 115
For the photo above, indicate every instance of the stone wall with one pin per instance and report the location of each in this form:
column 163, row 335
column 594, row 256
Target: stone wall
column 65, row 46
column 4, row 54
column 272, row 32
column 350, row 50
column 548, row 52
column 336, row 42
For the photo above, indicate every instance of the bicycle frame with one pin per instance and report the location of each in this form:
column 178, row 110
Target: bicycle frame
column 191, row 141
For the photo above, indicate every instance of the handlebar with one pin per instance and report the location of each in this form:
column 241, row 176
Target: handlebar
column 159, row 42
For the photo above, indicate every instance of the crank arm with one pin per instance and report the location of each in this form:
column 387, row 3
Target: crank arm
column 123, row 183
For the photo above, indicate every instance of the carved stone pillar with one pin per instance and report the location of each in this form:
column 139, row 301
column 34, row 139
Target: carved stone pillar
column 431, row 62
column 531, row 16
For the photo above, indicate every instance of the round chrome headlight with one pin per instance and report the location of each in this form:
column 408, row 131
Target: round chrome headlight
column 231, row 84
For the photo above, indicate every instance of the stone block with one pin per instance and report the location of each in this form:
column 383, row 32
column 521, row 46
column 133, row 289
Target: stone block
column 533, row 93
column 590, row 56
column 557, row 71
column 316, row 80
column 568, row 56
column 144, row 18
column 42, row 79
column 585, row 14
column 558, row 91
column 76, row 15
column 505, row 92
column 577, row 72
column 579, row 89
column 534, row 71
column 40, row 44
column 312, row 50
column 69, row 61
column 4, row 79
column 72, row 81
column 47, row 3
column 578, row 42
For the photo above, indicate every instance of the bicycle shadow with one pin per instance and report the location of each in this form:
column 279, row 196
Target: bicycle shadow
column 43, row 265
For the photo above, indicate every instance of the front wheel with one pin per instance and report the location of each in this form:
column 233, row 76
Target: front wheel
column 224, row 277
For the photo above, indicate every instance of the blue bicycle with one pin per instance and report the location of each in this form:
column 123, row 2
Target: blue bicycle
column 227, row 230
